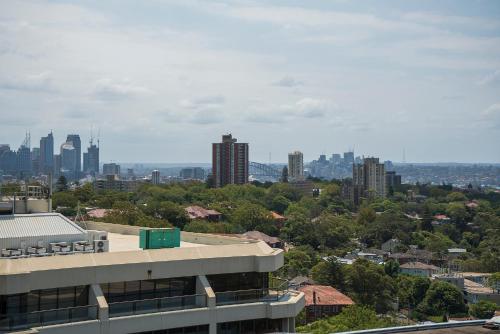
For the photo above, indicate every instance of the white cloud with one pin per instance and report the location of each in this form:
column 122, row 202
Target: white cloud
column 41, row 82
column 288, row 81
column 491, row 78
column 108, row 89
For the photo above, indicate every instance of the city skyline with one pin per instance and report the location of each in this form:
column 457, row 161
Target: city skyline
column 320, row 77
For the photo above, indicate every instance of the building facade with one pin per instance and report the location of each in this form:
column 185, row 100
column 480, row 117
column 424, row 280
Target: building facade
column 296, row 166
column 155, row 177
column 91, row 160
column 111, row 169
column 368, row 180
column 47, row 154
column 229, row 162
column 210, row 284
column 77, row 144
column 68, row 161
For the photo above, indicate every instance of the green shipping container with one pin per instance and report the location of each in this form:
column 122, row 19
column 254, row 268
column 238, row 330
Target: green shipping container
column 155, row 238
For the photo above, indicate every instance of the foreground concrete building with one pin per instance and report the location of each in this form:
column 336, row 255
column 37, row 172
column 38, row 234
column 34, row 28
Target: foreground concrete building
column 210, row 284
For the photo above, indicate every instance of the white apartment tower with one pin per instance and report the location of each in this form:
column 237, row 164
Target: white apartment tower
column 296, row 166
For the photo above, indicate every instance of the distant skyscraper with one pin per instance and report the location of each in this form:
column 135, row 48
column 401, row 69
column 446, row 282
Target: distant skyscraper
column 69, row 161
column 229, row 162
column 47, row 154
column 24, row 166
column 336, row 159
column 155, row 177
column 349, row 157
column 35, row 160
column 77, row 144
column 368, row 179
column 91, row 160
column 295, row 166
column 111, row 169
column 192, row 173
column 8, row 160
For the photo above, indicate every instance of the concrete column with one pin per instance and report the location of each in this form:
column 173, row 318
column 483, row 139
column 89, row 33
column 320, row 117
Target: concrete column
column 96, row 297
column 203, row 287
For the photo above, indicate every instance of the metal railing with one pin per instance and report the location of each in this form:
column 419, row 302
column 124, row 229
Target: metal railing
column 274, row 293
column 48, row 317
column 154, row 305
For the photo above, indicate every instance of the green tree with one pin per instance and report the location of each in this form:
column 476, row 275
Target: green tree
column 442, row 298
column 484, row 309
column 64, row 199
column 329, row 272
column 298, row 262
column 369, row 285
column 355, row 317
column 253, row 217
column 391, row 268
column 62, row 183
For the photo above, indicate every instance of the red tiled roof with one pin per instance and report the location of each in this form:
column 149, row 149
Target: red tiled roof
column 325, row 295
column 441, row 217
column 97, row 213
column 277, row 216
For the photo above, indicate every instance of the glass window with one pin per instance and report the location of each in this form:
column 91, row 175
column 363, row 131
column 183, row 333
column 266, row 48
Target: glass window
column 116, row 292
column 162, row 288
column 147, row 289
column 132, row 290
column 33, row 301
column 66, row 297
column 48, row 299
column 82, row 295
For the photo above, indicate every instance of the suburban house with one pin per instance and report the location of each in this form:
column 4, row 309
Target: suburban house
column 197, row 212
column 419, row 269
column 323, row 301
column 273, row 242
column 391, row 245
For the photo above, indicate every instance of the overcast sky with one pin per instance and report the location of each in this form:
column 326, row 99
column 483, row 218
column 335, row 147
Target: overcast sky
column 164, row 79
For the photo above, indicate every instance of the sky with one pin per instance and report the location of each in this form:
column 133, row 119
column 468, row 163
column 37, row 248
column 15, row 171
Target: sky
column 161, row 80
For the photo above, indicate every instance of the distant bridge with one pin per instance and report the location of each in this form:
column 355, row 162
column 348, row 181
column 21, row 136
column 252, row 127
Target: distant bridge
column 259, row 170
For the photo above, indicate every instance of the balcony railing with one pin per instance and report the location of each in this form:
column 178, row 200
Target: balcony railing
column 274, row 293
column 165, row 304
column 48, row 317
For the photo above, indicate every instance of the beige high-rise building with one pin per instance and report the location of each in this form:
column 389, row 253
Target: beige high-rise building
column 368, row 179
column 296, row 166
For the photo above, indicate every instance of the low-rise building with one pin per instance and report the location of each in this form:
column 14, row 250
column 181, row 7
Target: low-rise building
column 419, row 269
column 271, row 241
column 391, row 245
column 323, row 301
column 197, row 212
column 210, row 284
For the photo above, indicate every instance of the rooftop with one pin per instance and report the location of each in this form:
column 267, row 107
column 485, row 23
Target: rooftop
column 325, row 295
column 418, row 265
column 126, row 242
column 38, row 224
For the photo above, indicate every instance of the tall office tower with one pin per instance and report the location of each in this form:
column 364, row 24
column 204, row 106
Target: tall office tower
column 57, row 165
column 24, row 166
column 368, row 179
column 8, row 160
column 77, row 144
column 111, row 169
column 336, row 159
column 296, row 166
column 69, row 161
column 229, row 162
column 192, row 173
column 91, row 160
column 35, row 160
column 348, row 157
column 47, row 154
column 155, row 177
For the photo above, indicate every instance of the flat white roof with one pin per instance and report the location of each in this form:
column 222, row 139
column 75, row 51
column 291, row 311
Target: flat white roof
column 124, row 242
column 36, row 225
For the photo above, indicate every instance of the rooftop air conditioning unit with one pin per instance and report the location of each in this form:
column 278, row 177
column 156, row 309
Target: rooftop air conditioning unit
column 82, row 246
column 101, row 246
column 12, row 252
column 36, row 250
column 60, row 247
